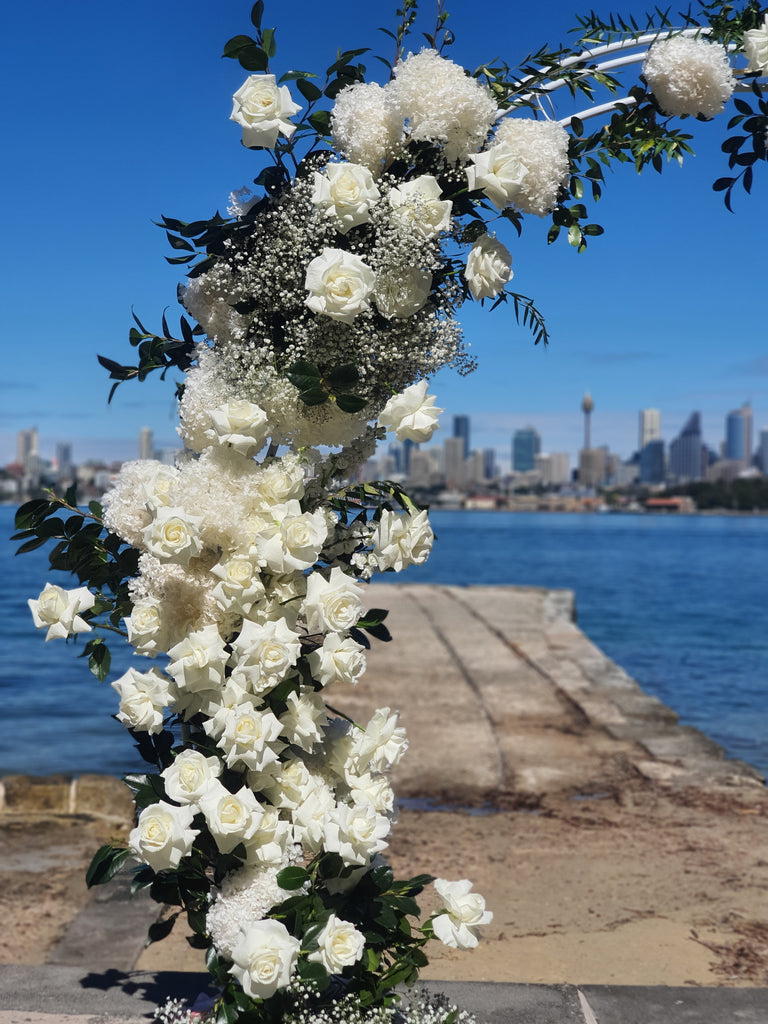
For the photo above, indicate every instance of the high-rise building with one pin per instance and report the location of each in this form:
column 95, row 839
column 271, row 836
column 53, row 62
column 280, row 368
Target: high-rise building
column 146, row 443
column 526, row 445
column 651, row 468
column 461, row 429
column 762, row 450
column 489, row 463
column 553, row 468
column 28, row 449
column 687, row 452
column 453, row 452
column 650, row 427
column 587, row 405
column 593, row 466
column 738, row 435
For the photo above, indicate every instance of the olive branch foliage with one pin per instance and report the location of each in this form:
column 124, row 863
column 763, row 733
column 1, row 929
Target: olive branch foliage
column 633, row 131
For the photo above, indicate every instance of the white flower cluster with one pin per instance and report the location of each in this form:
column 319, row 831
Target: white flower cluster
column 689, row 76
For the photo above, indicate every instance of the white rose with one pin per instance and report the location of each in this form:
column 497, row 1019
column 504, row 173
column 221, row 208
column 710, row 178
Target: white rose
column 197, row 662
column 373, row 789
column 412, row 414
column 332, row 605
column 282, row 480
column 290, row 785
column 345, row 193
column 402, row 292
column 464, row 913
column 417, row 207
column 232, row 818
column 58, row 610
column 339, row 285
column 269, row 844
column 263, row 108
column 304, row 720
column 380, row 745
column 172, row 535
column 293, row 540
column 250, row 737
column 356, row 832
column 190, row 776
column 143, row 696
column 263, row 654
column 163, row 836
column 756, row 46
column 264, row 958
column 338, row 659
column 309, row 818
column 241, row 425
column 340, row 945
column 500, row 173
column 488, row 267
column 240, row 585
column 144, row 625
column 401, row 540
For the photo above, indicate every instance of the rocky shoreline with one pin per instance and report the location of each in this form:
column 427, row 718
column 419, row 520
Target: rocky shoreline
column 613, row 845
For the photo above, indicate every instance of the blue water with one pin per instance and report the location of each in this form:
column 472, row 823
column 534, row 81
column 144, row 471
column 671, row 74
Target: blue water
column 680, row 603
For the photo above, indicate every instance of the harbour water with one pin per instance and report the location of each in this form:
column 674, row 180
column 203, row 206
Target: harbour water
column 679, row 602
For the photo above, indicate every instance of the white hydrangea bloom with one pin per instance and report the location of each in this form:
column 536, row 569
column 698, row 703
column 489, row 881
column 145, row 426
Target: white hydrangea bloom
column 210, row 298
column 689, row 76
column 464, row 913
column 246, row 897
column 345, row 193
column 365, row 126
column 442, row 104
column 263, row 108
column 140, row 488
column 526, row 167
column 58, row 611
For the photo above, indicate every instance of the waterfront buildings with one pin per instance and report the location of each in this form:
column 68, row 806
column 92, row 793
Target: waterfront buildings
column 738, row 436
column 687, row 453
column 650, row 427
column 526, row 445
column 146, row 444
column 461, row 429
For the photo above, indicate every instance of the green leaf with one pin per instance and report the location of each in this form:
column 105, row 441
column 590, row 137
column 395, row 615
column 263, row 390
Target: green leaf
column 105, row 864
column 351, row 403
column 292, row 878
column 314, row 396
column 253, row 58
column 268, row 42
column 308, row 90
column 160, row 929
column 343, row 376
column 303, row 375
column 257, row 13
column 236, row 45
column 100, row 660
column 320, row 121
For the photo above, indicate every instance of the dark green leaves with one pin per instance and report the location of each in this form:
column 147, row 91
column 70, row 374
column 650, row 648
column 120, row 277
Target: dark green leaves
column 105, row 864
column 156, row 352
column 292, row 878
column 315, row 387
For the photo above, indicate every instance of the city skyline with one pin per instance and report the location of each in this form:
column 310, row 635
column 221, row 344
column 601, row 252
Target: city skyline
column 645, row 317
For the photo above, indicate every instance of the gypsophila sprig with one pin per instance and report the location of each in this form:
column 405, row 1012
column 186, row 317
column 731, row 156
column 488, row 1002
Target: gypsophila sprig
column 316, row 313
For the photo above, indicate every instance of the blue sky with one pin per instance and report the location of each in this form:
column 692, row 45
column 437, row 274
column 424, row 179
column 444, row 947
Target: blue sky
column 115, row 114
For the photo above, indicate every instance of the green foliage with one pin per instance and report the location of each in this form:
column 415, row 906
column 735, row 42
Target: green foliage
column 316, row 387
column 105, row 864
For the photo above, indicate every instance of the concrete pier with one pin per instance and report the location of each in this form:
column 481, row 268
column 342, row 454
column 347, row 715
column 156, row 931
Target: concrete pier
column 620, row 851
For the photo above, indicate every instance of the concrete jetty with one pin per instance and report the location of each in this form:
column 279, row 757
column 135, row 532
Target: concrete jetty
column 533, row 749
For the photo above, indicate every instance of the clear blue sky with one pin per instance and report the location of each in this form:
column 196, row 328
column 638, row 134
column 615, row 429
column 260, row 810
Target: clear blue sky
column 115, row 114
